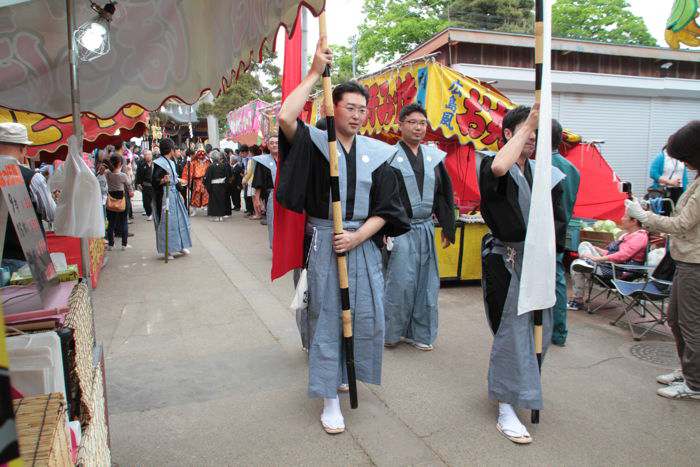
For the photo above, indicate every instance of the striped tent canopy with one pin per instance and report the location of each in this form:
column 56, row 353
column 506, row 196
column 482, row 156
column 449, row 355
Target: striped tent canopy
column 159, row 49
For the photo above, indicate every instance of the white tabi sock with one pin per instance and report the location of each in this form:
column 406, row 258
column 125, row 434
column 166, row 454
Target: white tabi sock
column 332, row 417
column 509, row 422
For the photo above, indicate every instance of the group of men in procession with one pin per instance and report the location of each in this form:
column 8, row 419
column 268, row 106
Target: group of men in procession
column 203, row 178
column 390, row 196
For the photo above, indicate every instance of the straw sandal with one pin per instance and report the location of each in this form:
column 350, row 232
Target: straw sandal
column 520, row 439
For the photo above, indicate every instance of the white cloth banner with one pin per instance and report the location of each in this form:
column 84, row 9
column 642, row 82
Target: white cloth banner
column 159, row 48
column 538, row 276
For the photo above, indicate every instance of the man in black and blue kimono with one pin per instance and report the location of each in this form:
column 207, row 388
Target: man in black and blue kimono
column 372, row 208
column 412, row 277
column 505, row 183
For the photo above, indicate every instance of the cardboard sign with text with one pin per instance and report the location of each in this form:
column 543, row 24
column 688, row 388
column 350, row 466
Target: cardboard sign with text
column 16, row 199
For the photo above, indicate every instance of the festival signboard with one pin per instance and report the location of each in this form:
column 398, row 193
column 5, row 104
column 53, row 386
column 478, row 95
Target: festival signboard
column 16, row 202
column 244, row 123
column 458, row 107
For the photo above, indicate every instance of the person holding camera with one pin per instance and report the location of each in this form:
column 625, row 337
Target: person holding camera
column 684, row 228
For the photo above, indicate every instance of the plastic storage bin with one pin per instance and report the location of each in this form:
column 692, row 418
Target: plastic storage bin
column 36, row 363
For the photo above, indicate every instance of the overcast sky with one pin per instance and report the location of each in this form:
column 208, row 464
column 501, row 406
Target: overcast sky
column 344, row 16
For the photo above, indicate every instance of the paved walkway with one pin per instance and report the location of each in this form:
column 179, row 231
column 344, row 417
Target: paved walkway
column 204, row 367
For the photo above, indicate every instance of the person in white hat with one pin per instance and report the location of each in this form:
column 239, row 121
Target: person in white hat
column 13, row 144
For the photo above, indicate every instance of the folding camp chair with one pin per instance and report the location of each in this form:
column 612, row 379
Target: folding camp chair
column 646, row 299
column 602, row 278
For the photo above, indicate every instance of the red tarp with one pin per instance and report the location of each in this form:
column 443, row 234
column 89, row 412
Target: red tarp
column 599, row 195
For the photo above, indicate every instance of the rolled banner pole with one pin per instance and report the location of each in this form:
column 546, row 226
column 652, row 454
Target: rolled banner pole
column 539, row 59
column 188, row 190
column 166, row 200
column 338, row 224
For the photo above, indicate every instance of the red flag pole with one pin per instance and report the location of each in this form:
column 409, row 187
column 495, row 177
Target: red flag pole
column 288, row 226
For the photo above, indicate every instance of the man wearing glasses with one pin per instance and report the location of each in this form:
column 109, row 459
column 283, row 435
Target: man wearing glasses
column 412, row 278
column 369, row 193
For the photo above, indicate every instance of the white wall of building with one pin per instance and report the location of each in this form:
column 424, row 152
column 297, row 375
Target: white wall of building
column 632, row 116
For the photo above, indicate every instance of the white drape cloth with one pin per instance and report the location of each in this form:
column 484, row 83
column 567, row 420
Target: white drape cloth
column 538, row 279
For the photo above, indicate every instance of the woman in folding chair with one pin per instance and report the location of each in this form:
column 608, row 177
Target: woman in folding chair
column 684, row 228
column 630, row 248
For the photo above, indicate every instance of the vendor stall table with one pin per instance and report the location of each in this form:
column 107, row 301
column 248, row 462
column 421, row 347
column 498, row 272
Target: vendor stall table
column 461, row 261
column 70, row 246
column 70, row 313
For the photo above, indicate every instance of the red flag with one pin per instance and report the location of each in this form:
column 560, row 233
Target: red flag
column 288, row 226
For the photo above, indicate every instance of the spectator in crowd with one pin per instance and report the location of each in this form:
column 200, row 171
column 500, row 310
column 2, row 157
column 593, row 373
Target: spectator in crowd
column 684, row 228
column 102, row 168
column 248, row 163
column 629, row 248
column 184, row 172
column 129, row 171
column 238, row 168
column 670, row 176
column 216, row 181
column 143, row 183
column 119, row 188
column 248, row 182
column 570, row 186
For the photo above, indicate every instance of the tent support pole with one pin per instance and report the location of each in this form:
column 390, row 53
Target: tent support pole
column 77, row 124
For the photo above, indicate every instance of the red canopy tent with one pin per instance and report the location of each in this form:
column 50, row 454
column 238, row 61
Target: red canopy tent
column 50, row 135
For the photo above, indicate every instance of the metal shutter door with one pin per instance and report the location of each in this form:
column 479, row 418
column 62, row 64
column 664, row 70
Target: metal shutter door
column 622, row 122
column 521, row 97
column 667, row 116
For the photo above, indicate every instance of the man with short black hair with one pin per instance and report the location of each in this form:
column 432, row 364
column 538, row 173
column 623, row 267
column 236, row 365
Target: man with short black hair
column 412, row 277
column 505, row 184
column 237, row 179
column 165, row 178
column 369, row 195
column 144, row 173
column 247, row 160
column 263, row 182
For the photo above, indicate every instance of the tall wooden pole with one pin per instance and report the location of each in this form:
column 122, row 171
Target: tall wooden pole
column 539, row 59
column 166, row 200
column 338, row 222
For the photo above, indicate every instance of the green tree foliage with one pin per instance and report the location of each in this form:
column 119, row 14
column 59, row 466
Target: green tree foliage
column 608, row 21
column 342, row 64
column 247, row 87
column 393, row 27
column 502, row 15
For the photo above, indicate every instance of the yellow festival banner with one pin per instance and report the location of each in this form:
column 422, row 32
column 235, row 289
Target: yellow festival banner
column 457, row 106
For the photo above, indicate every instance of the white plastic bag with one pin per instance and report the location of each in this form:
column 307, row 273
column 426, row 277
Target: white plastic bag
column 301, row 294
column 300, row 305
column 79, row 212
